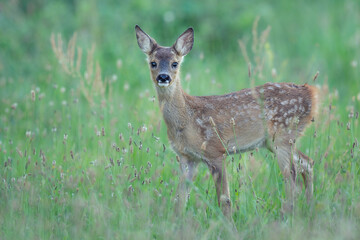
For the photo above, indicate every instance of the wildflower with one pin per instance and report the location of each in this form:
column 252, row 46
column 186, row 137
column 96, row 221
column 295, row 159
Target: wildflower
column 169, row 16
column 33, row 95
column 124, row 150
column 41, row 96
column 113, row 78
column 203, row 145
column 62, row 89
column 273, row 73
column 354, row 63
column 28, row 134
column 201, row 56
column 14, row 106
column 119, row 63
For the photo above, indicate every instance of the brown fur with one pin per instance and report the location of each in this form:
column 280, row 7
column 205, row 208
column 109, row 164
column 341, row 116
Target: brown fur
column 205, row 128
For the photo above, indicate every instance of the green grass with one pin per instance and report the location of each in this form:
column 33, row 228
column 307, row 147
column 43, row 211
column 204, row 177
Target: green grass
column 63, row 177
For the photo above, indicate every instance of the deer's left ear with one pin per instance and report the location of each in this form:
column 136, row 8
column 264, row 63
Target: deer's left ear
column 185, row 42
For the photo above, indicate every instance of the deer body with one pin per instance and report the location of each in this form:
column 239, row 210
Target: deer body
column 205, row 128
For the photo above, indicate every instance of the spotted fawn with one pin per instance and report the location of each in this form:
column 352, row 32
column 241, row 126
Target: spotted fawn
column 207, row 128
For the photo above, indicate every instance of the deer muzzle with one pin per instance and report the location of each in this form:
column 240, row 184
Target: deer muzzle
column 163, row 80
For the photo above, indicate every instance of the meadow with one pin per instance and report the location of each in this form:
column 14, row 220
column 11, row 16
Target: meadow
column 83, row 148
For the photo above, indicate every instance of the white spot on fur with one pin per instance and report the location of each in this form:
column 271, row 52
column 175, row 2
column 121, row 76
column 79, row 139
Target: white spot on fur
column 256, row 107
column 208, row 133
column 292, row 101
column 284, row 102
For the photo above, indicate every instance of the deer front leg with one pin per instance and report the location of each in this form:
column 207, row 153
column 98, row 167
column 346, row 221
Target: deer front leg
column 188, row 169
column 218, row 172
column 284, row 156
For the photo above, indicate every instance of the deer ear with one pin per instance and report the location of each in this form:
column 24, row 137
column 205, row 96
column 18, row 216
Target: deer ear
column 146, row 43
column 185, row 42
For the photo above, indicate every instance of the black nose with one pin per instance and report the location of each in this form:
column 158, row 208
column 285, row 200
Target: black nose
column 163, row 78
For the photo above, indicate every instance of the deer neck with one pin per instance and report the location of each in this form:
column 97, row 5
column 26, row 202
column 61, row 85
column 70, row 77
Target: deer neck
column 172, row 103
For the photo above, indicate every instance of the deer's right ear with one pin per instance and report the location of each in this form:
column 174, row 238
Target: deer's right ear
column 146, row 43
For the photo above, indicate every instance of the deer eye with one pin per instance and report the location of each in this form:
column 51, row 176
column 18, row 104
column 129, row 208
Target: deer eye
column 153, row 64
column 174, row 64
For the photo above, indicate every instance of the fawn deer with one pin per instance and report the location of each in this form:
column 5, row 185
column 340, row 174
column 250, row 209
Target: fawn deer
column 205, row 128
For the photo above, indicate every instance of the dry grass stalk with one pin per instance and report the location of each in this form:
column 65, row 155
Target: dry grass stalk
column 91, row 83
column 257, row 48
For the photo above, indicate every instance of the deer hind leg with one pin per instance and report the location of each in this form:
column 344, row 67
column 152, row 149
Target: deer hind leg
column 305, row 167
column 218, row 172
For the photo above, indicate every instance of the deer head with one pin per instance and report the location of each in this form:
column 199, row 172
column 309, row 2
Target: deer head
column 164, row 62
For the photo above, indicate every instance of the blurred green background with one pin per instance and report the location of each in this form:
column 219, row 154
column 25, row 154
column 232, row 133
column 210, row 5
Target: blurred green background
column 306, row 36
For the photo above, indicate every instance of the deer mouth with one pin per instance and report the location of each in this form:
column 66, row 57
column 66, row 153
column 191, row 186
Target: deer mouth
column 163, row 83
